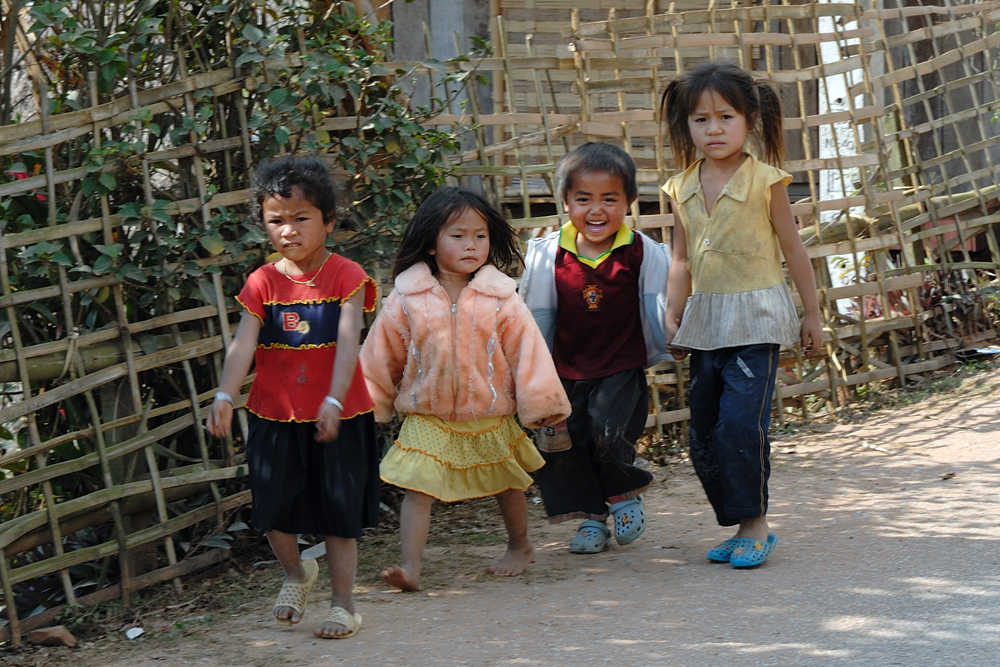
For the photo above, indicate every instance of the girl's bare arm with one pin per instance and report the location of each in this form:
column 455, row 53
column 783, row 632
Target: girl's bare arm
column 799, row 267
column 348, row 347
column 239, row 356
column 678, row 287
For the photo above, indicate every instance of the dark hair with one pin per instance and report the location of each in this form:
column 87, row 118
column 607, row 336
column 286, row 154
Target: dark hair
column 277, row 177
column 421, row 234
column 600, row 159
column 758, row 101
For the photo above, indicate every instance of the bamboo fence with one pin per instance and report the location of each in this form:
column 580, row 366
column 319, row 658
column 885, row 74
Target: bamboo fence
column 910, row 146
column 914, row 216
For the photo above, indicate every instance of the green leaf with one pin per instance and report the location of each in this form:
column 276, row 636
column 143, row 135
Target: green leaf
column 252, row 33
column 160, row 215
column 102, row 264
column 62, row 259
column 108, row 180
column 436, row 65
column 213, row 243
column 207, row 291
column 133, row 272
column 218, row 541
column 111, row 250
column 193, row 269
column 131, row 211
column 248, row 57
column 277, row 97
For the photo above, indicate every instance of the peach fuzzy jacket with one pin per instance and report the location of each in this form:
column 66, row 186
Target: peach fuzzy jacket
column 485, row 359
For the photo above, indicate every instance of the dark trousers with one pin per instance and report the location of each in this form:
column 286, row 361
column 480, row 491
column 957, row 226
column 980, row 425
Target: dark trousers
column 731, row 390
column 609, row 415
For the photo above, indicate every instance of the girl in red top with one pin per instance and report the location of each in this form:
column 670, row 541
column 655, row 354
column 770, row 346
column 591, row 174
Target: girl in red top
column 311, row 448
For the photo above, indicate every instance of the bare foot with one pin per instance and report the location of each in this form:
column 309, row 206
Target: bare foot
column 755, row 529
column 332, row 629
column 399, row 578
column 514, row 561
column 287, row 615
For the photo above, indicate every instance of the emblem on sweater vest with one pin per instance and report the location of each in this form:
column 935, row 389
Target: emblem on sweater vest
column 592, row 294
column 291, row 322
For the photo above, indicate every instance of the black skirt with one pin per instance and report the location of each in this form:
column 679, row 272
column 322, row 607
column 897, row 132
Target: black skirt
column 299, row 485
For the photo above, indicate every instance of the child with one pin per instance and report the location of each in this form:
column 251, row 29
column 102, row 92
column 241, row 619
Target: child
column 733, row 223
column 455, row 351
column 598, row 291
column 311, row 448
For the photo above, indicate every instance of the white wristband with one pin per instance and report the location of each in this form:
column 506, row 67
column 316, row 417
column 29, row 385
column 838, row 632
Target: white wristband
column 332, row 401
column 223, row 396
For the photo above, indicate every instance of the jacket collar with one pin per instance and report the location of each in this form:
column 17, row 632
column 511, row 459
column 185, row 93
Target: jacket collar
column 737, row 188
column 488, row 280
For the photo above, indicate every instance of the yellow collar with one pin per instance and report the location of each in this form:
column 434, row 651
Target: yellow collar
column 567, row 240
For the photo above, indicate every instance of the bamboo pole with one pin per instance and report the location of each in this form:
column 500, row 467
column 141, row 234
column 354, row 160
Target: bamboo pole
column 13, row 621
column 511, row 108
column 546, row 129
column 40, row 457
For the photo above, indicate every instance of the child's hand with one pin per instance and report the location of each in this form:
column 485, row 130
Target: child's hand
column 328, row 422
column 220, row 418
column 677, row 353
column 811, row 336
column 671, row 330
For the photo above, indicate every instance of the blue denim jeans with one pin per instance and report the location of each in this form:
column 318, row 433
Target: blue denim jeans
column 731, row 390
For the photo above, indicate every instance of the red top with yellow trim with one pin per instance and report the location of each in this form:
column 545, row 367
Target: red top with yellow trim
column 297, row 343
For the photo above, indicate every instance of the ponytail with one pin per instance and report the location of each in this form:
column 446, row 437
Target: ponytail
column 674, row 119
column 772, row 136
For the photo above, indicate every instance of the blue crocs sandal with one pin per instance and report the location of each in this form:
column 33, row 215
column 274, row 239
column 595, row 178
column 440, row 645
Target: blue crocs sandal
column 630, row 520
column 751, row 553
column 591, row 538
column 723, row 552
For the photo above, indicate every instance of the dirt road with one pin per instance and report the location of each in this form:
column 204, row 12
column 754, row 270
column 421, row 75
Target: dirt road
column 889, row 554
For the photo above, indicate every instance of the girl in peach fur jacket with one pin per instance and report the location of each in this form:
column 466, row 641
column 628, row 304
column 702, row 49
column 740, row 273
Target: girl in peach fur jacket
column 485, row 358
column 457, row 352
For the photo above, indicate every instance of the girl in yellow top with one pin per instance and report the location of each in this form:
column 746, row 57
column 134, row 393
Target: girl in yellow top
column 727, row 299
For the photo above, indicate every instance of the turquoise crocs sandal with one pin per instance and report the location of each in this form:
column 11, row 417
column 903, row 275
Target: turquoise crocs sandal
column 630, row 520
column 723, row 552
column 751, row 553
column 591, row 538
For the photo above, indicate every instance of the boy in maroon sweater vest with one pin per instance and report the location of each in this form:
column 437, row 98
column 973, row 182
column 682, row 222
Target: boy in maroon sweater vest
column 598, row 291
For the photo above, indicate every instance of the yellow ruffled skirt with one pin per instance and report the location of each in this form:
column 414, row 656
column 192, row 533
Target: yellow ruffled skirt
column 460, row 460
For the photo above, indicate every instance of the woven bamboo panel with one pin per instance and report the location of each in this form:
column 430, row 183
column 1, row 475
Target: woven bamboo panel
column 908, row 144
